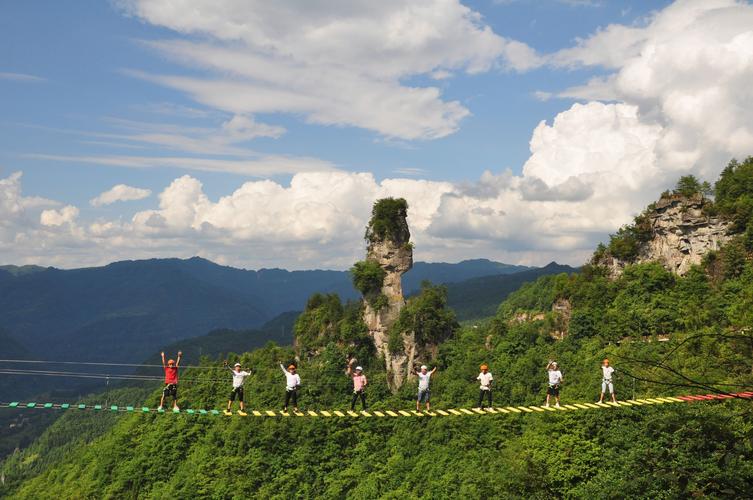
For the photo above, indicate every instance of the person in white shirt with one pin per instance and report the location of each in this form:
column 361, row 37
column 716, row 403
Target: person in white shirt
column 239, row 377
column 485, row 391
column 424, row 394
column 606, row 381
column 292, row 383
column 555, row 380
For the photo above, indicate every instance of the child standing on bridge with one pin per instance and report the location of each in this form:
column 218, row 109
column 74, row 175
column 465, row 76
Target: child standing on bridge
column 606, row 381
column 485, row 391
column 359, row 385
column 292, row 383
column 171, row 381
column 555, row 380
column 424, row 394
column 238, row 378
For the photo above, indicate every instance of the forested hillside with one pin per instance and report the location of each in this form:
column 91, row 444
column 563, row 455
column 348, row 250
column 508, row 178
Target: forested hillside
column 703, row 320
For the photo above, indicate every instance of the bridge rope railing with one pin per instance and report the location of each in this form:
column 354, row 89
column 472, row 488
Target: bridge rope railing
column 497, row 410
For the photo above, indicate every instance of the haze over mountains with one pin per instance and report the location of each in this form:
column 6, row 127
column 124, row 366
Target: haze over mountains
column 127, row 310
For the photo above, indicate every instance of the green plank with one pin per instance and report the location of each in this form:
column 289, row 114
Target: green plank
column 82, row 407
column 31, row 405
column 145, row 409
column 48, row 405
column 190, row 412
column 175, row 410
column 129, row 408
column 64, row 406
column 97, row 407
column 14, row 404
column 203, row 412
column 215, row 412
column 113, row 408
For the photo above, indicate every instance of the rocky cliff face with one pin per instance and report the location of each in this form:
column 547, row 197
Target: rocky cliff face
column 681, row 234
column 395, row 258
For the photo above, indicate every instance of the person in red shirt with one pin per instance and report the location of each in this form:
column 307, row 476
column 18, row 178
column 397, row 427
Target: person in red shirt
column 171, row 381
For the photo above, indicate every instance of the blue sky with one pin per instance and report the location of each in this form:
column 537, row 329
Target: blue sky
column 84, row 91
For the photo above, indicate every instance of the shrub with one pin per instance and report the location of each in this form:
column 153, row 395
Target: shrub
column 388, row 221
column 368, row 277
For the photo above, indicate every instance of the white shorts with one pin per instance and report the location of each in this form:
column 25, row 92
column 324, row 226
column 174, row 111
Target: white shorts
column 605, row 384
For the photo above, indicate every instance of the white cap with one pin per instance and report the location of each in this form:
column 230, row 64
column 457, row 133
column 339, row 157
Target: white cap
column 237, row 364
column 424, row 367
column 359, row 369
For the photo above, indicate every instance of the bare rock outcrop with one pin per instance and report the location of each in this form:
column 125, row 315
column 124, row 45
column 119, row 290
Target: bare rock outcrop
column 681, row 234
column 391, row 249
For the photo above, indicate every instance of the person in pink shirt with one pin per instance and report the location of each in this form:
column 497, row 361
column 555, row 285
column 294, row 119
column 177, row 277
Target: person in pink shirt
column 359, row 385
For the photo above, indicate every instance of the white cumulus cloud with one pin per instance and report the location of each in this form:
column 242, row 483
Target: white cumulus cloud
column 688, row 70
column 65, row 215
column 120, row 192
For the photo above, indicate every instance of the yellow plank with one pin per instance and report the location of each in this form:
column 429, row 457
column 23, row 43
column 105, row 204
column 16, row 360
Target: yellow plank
column 442, row 412
column 325, row 413
column 271, row 413
column 502, row 410
column 513, row 409
column 582, row 407
column 392, row 413
column 404, row 413
column 479, row 411
column 538, row 408
column 570, row 407
column 338, row 413
column 525, row 409
column 352, row 413
column 491, row 410
column 256, row 413
column 467, row 412
column 312, row 413
column 365, row 413
column 591, row 405
column 378, row 413
column 455, row 412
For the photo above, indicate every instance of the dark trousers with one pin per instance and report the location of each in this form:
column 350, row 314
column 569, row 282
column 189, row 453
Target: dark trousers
column 481, row 394
column 291, row 395
column 356, row 395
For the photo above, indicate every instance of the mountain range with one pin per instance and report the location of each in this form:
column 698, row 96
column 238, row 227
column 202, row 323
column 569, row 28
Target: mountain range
column 126, row 311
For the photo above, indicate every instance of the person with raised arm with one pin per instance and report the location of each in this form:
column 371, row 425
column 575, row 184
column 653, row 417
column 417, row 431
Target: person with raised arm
column 359, row 385
column 424, row 393
column 292, row 383
column 555, row 381
column 239, row 376
column 606, row 381
column 485, row 378
column 171, row 381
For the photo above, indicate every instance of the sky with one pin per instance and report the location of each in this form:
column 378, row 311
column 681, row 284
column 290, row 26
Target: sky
column 258, row 134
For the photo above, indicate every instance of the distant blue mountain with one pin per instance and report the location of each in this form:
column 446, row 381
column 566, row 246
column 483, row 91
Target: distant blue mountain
column 127, row 310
